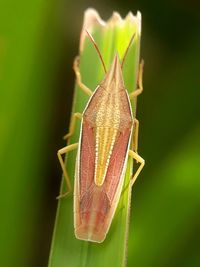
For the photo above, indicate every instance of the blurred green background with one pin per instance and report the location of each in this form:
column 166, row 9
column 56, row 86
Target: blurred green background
column 38, row 41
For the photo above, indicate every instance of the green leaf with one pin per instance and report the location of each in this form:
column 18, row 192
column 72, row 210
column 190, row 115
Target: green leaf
column 31, row 50
column 66, row 250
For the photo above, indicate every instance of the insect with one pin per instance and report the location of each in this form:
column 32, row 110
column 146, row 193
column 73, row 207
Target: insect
column 107, row 129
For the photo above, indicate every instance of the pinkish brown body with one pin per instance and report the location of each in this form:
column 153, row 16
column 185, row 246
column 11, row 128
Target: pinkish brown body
column 102, row 155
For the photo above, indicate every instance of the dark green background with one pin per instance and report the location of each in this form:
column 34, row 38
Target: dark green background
column 38, row 41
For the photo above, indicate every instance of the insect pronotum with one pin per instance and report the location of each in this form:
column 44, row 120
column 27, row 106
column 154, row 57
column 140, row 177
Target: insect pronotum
column 107, row 125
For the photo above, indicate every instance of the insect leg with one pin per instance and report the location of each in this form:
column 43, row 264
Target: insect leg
column 135, row 147
column 60, row 152
column 139, row 90
column 139, row 159
column 75, row 116
column 135, row 135
column 83, row 87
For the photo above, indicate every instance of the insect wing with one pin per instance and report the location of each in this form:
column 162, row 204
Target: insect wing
column 107, row 118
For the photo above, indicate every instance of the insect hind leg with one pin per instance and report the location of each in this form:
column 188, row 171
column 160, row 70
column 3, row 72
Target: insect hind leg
column 60, row 152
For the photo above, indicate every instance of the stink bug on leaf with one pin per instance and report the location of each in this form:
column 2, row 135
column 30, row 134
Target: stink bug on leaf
column 107, row 129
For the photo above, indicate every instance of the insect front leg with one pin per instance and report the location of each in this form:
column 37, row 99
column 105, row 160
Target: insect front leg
column 139, row 159
column 83, row 87
column 60, row 152
column 75, row 116
column 139, row 90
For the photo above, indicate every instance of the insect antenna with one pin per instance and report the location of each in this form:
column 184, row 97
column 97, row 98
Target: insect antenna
column 127, row 49
column 98, row 51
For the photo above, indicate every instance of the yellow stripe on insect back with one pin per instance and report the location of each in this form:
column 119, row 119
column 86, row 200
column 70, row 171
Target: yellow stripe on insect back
column 107, row 128
column 105, row 140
